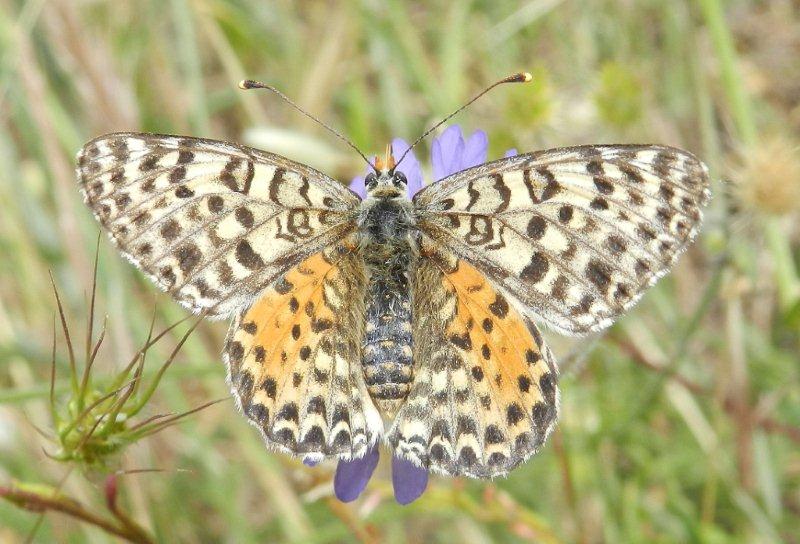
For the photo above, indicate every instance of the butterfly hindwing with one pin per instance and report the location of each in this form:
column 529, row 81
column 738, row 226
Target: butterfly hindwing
column 575, row 235
column 294, row 359
column 484, row 395
column 211, row 222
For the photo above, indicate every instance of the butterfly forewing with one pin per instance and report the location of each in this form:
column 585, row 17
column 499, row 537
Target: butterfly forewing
column 574, row 235
column 211, row 222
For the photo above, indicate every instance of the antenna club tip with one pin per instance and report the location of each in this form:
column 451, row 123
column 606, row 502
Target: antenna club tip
column 521, row 77
column 248, row 84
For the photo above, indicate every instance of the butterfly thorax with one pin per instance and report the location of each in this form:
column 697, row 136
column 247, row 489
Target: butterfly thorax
column 385, row 227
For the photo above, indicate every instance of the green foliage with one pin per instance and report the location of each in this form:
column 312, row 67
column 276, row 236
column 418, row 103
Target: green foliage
column 96, row 418
column 619, row 95
column 679, row 424
column 527, row 108
column 531, row 106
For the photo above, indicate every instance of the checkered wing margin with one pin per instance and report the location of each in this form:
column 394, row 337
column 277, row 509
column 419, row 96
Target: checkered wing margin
column 573, row 235
column 210, row 222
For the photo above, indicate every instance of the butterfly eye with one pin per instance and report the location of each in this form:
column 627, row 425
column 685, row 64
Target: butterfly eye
column 399, row 179
column 370, row 181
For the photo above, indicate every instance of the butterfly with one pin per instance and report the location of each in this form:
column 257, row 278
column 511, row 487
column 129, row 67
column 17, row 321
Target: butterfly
column 411, row 322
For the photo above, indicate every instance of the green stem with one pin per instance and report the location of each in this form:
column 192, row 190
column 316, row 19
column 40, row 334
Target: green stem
column 786, row 277
column 722, row 40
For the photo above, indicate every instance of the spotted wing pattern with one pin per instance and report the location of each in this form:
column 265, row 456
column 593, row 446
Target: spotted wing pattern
column 294, row 359
column 211, row 222
column 484, row 396
column 573, row 235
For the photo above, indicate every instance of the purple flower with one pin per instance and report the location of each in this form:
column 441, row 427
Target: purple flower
column 409, row 480
column 450, row 153
column 352, row 476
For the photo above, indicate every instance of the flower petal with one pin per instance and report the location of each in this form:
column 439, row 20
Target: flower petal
column 352, row 476
column 311, row 460
column 446, row 152
column 511, row 152
column 358, row 187
column 409, row 480
column 475, row 150
column 410, row 166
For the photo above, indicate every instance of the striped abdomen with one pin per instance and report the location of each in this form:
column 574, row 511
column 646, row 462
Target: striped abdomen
column 387, row 344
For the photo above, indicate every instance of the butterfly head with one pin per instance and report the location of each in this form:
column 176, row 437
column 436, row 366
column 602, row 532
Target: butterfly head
column 386, row 181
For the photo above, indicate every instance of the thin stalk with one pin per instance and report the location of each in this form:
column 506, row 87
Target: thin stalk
column 158, row 427
column 154, row 383
column 67, row 337
column 89, row 328
column 53, row 411
column 38, row 502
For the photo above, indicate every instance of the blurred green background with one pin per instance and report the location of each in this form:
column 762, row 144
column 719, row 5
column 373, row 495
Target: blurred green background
column 680, row 424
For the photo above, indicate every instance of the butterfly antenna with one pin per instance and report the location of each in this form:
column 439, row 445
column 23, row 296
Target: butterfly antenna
column 521, row 77
column 250, row 84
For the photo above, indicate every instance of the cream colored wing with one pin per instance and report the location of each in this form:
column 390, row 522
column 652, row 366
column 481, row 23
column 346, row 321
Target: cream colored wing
column 210, row 222
column 573, row 235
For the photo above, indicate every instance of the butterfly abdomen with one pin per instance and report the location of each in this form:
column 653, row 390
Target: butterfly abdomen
column 387, row 363
column 387, row 344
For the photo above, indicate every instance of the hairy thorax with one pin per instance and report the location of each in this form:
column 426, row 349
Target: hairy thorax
column 386, row 232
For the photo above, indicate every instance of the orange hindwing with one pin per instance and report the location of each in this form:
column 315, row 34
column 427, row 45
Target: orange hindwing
column 484, row 396
column 294, row 359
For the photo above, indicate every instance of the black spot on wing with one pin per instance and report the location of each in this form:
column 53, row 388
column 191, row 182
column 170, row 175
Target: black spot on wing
column 603, row 185
column 537, row 227
column 270, row 387
column 514, row 414
column 598, row 273
column 462, row 341
column 215, row 204
column 499, row 307
column 595, row 167
column 247, row 257
column 177, row 174
column 536, row 269
column 184, row 192
column 244, row 216
column 188, row 256
column 288, row 412
column 185, row 156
